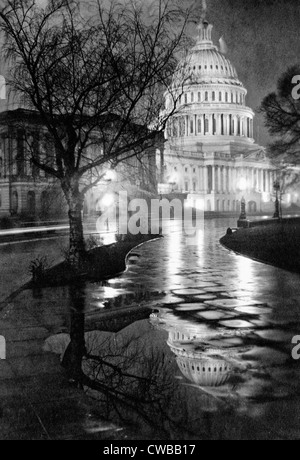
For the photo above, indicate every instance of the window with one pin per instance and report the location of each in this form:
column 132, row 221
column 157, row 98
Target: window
column 206, row 96
column 194, row 170
column 194, row 187
column 232, row 98
column 186, row 170
column 226, row 97
column 185, row 99
column 199, row 97
column 220, row 97
column 192, row 97
column 213, row 96
column 186, row 186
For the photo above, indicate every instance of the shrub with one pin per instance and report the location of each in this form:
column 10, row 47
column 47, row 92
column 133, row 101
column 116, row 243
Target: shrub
column 93, row 241
column 38, row 269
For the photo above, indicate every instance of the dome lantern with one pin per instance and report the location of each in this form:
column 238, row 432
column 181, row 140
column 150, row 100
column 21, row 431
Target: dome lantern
column 205, row 35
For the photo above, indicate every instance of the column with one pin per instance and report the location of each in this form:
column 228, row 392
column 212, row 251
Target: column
column 272, row 181
column 205, row 170
column 234, row 178
column 219, row 126
column 211, row 127
column 201, row 178
column 230, row 179
column 224, row 180
column 235, row 125
column 219, row 180
column 267, row 182
column 213, row 178
column 252, row 178
column 226, row 125
column 227, row 179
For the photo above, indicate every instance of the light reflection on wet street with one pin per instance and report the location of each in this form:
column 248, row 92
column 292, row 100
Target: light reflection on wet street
column 224, row 325
column 190, row 343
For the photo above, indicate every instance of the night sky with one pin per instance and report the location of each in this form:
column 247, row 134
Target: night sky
column 263, row 39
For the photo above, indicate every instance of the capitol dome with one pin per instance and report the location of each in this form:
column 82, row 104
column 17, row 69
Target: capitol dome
column 206, row 64
column 209, row 134
column 205, row 372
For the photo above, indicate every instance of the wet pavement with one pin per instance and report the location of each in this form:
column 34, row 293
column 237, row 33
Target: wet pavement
column 210, row 359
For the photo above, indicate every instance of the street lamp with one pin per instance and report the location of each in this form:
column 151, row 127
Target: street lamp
column 277, row 202
column 242, row 185
column 173, row 181
column 110, row 176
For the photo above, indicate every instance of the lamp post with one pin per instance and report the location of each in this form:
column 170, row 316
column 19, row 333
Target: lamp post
column 243, row 215
column 173, row 181
column 172, row 185
column 277, row 203
column 242, row 186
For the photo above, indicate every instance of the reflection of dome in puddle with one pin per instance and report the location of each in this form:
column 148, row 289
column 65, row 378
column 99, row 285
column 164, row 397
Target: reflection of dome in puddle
column 205, row 372
column 198, row 361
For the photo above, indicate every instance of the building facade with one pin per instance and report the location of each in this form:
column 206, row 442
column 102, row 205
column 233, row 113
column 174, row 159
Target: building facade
column 29, row 193
column 210, row 151
column 25, row 191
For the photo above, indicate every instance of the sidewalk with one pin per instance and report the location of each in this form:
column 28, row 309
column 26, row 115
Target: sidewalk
column 16, row 258
column 36, row 400
column 276, row 243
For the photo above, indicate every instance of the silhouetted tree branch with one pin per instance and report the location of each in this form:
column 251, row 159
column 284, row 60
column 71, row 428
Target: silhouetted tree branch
column 96, row 76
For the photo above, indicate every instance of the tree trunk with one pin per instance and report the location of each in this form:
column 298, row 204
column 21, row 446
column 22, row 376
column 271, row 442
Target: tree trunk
column 77, row 249
column 77, row 246
column 73, row 357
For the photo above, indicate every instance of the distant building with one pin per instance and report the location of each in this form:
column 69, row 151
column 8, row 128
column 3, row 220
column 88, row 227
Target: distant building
column 210, row 150
column 28, row 192
column 25, row 191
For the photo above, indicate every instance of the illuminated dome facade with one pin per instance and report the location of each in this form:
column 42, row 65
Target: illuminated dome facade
column 204, row 372
column 210, row 138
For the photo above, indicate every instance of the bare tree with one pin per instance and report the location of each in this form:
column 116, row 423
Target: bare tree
column 96, row 76
column 282, row 117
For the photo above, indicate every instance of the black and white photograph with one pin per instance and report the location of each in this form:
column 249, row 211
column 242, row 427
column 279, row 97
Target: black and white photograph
column 149, row 223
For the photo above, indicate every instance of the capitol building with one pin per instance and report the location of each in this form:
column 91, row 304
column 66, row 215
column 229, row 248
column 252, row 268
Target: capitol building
column 210, row 152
